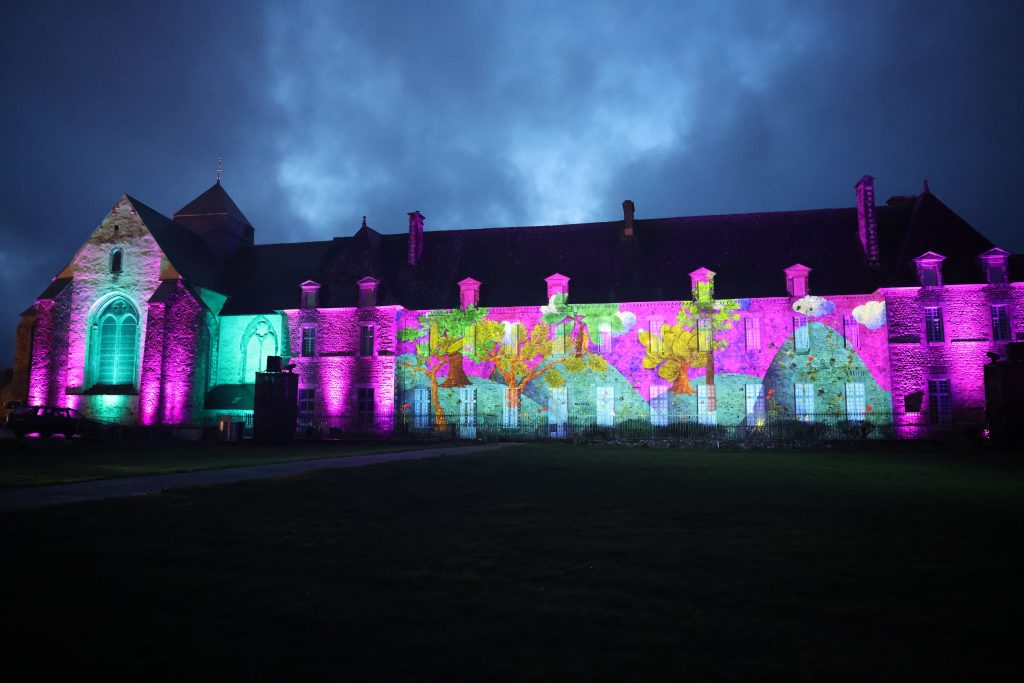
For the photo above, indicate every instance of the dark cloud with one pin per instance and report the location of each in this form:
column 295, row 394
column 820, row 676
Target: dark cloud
column 495, row 114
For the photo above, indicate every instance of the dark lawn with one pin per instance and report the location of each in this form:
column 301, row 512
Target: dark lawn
column 39, row 462
column 541, row 563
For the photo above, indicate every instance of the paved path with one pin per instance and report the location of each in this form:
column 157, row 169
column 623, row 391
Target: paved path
column 61, row 494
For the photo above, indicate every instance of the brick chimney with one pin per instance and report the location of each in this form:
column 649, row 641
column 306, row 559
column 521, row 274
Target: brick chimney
column 415, row 237
column 867, row 226
column 627, row 218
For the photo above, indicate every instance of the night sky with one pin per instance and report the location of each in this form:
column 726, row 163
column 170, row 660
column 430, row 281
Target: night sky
column 487, row 113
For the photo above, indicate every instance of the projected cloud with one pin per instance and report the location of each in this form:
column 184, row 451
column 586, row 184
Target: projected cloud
column 813, row 306
column 628, row 320
column 871, row 315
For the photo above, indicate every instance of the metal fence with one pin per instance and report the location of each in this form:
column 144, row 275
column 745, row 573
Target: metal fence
column 674, row 428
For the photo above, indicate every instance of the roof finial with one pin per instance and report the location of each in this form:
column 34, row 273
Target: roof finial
column 926, row 190
column 364, row 221
column 220, row 168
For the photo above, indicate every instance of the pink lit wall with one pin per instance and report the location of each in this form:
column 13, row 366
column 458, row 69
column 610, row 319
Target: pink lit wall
column 959, row 357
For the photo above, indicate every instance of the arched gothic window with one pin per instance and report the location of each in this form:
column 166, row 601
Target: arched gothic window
column 115, row 343
column 116, row 257
column 258, row 342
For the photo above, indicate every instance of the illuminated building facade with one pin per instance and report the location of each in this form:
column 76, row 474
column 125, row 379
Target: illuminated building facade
column 874, row 314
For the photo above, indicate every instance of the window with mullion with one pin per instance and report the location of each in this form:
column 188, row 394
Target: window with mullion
column 1000, row 323
column 933, row 327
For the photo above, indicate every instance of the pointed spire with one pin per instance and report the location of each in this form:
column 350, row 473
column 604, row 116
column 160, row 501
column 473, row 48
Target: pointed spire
column 926, row 190
column 364, row 222
column 220, row 168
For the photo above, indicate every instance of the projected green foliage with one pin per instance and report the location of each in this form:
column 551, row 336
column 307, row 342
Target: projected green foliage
column 710, row 318
column 440, row 339
column 672, row 351
column 583, row 318
column 519, row 358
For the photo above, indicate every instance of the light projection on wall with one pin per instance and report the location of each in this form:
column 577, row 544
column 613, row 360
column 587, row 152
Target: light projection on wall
column 672, row 352
column 440, row 340
column 871, row 315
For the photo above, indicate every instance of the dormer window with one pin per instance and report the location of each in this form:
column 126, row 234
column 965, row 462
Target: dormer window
column 993, row 264
column 469, row 293
column 310, row 294
column 702, row 284
column 798, row 280
column 929, row 269
column 368, row 292
column 116, row 260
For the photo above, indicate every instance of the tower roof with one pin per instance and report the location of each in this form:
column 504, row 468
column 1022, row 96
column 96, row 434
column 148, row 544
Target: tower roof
column 215, row 201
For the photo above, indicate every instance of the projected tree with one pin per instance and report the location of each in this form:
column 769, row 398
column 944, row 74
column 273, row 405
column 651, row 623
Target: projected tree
column 440, row 342
column 584, row 319
column 673, row 352
column 520, row 358
column 709, row 317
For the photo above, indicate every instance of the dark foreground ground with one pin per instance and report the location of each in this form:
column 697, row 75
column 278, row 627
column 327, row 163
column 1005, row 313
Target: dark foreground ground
column 534, row 563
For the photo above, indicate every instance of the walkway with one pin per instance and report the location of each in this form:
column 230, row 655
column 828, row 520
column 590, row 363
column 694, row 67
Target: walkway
column 62, row 494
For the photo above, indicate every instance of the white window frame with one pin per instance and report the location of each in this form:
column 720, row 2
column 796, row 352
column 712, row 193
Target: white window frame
column 604, row 331
column 752, row 333
column 934, row 325
column 421, row 407
column 363, row 327
column 657, row 344
column 558, row 411
column 706, row 395
column 753, row 398
column 604, row 406
column 801, row 334
column 659, row 398
column 851, row 332
column 803, row 401
column 856, row 401
column 311, row 331
column 1001, row 328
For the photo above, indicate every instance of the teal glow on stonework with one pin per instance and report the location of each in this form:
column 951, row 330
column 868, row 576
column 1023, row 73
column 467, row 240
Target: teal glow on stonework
column 116, row 342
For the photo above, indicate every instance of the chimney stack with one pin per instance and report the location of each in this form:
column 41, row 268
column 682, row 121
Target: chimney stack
column 415, row 237
column 627, row 217
column 867, row 226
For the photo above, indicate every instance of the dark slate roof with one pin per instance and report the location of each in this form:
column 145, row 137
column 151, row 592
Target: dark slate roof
column 184, row 249
column 55, row 288
column 266, row 277
column 933, row 226
column 749, row 253
column 215, row 201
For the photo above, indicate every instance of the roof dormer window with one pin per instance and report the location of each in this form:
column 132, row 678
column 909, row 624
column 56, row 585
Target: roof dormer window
column 994, row 262
column 798, row 278
column 310, row 294
column 929, row 269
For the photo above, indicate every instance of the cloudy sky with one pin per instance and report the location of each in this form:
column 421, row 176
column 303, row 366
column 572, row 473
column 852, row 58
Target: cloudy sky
column 492, row 113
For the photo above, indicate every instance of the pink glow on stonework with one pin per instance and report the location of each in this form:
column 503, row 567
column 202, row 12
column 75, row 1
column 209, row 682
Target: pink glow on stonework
column 958, row 357
column 39, row 376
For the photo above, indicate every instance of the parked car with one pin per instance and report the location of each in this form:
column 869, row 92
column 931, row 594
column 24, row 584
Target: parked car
column 9, row 407
column 44, row 420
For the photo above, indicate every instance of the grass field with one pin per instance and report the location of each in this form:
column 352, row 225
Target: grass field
column 535, row 563
column 39, row 462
